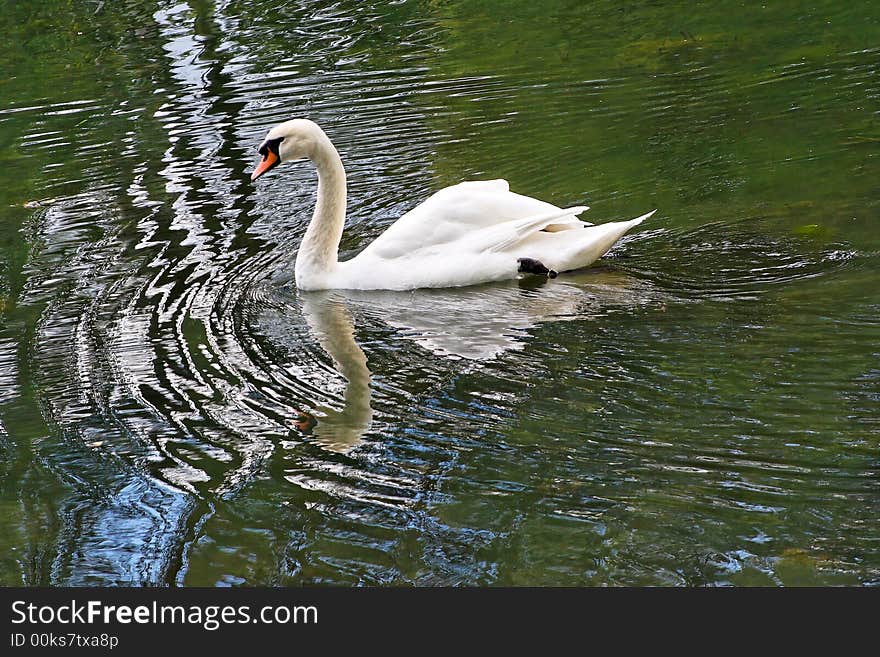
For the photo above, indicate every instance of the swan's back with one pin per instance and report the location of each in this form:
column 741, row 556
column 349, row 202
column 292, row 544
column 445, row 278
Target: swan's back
column 454, row 213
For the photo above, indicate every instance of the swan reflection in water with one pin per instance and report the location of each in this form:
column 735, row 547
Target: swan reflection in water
column 331, row 325
column 476, row 324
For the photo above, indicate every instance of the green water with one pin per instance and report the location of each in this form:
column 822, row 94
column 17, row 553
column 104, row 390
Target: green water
column 702, row 408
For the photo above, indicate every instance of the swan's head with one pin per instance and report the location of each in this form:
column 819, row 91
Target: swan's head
column 286, row 142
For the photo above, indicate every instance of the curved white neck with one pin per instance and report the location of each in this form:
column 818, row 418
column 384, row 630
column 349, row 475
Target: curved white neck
column 318, row 253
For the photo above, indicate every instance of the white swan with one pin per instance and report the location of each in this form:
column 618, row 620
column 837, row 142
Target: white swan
column 470, row 233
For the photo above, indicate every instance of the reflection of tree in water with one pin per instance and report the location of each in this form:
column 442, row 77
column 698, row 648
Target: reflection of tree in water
column 170, row 185
column 94, row 519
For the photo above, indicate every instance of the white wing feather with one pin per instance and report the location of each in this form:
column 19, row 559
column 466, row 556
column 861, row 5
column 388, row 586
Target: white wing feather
column 461, row 211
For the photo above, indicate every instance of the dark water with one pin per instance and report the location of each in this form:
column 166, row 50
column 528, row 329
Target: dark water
column 702, row 408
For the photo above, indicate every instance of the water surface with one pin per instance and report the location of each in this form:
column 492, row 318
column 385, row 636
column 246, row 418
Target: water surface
column 700, row 409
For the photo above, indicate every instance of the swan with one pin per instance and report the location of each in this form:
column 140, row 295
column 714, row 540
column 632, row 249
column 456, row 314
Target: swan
column 469, row 233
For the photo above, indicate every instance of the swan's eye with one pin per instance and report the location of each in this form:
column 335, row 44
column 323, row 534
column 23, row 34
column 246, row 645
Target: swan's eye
column 270, row 145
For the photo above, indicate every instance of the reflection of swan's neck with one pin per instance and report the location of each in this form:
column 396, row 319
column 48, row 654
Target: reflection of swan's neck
column 319, row 249
column 329, row 321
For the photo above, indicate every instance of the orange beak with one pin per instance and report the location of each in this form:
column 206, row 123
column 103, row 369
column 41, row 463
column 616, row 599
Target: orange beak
column 269, row 161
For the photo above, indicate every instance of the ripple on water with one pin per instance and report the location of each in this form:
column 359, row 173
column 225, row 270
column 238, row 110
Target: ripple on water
column 732, row 260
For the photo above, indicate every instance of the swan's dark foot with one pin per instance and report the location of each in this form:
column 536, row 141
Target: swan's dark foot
column 532, row 266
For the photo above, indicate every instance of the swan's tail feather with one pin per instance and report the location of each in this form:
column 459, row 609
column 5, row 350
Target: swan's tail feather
column 594, row 242
column 638, row 220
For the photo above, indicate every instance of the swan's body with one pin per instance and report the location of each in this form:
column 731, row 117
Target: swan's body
column 470, row 233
